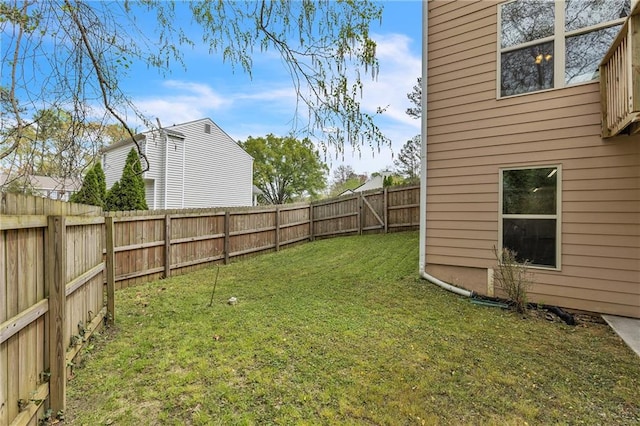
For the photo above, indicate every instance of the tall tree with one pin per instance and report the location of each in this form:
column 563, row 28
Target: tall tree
column 344, row 178
column 90, row 192
column 416, row 99
column 57, row 145
column 285, row 168
column 128, row 192
column 408, row 161
column 343, row 173
column 102, row 180
column 66, row 146
column 75, row 53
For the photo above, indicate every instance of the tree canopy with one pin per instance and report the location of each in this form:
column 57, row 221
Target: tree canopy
column 409, row 160
column 72, row 54
column 285, row 168
column 345, row 177
column 57, row 145
column 416, row 99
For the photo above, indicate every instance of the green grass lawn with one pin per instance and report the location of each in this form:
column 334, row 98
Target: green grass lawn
column 342, row 331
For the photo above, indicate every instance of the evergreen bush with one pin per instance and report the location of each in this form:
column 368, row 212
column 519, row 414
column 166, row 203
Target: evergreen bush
column 128, row 193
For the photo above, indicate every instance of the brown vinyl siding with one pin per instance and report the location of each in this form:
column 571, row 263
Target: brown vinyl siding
column 472, row 135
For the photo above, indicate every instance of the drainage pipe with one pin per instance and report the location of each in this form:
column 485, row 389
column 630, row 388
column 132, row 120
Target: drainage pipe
column 423, row 167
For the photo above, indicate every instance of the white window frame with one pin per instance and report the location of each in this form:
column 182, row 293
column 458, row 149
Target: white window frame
column 557, row 216
column 559, row 38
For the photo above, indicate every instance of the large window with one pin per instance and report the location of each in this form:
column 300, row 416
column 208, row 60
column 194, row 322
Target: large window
column 545, row 44
column 530, row 214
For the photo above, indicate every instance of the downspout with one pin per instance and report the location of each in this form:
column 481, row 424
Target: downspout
column 184, row 151
column 423, row 163
column 164, row 136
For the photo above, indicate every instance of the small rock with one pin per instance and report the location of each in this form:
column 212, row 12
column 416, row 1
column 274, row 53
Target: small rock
column 232, row 301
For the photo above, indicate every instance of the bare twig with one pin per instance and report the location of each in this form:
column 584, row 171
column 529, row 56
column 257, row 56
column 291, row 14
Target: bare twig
column 12, row 93
column 102, row 81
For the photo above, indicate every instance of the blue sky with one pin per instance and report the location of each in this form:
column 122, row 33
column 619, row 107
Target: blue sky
column 266, row 103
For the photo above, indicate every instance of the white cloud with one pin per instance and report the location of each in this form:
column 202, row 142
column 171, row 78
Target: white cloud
column 244, row 107
column 399, row 70
column 182, row 101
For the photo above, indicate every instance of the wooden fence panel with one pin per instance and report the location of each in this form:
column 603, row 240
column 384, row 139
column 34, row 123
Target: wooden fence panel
column 373, row 212
column 139, row 247
column 25, row 308
column 196, row 241
column 84, row 278
column 4, row 315
column 293, row 225
column 404, row 208
column 335, row 217
column 252, row 231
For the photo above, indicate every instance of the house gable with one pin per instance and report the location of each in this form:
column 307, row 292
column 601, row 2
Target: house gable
column 218, row 172
column 191, row 165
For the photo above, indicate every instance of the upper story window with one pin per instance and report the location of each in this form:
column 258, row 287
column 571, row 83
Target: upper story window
column 545, row 44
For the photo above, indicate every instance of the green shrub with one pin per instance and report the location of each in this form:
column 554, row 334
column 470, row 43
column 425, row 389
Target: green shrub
column 91, row 192
column 128, row 193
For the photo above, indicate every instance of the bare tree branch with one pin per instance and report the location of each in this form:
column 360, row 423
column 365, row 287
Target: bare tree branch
column 104, row 84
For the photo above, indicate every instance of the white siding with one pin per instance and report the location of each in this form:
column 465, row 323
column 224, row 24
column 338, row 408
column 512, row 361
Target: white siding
column 150, row 194
column 201, row 170
column 218, row 173
column 155, row 152
column 113, row 162
column 175, row 173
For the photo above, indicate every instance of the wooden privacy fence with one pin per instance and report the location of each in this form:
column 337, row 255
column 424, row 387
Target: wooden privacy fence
column 55, row 258
column 190, row 239
column 51, row 300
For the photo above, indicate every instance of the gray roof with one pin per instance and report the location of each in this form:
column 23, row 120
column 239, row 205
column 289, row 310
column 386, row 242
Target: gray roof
column 46, row 183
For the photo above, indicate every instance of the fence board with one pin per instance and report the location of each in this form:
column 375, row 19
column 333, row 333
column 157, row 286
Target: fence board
column 56, row 276
column 4, row 365
column 24, row 295
column 4, row 383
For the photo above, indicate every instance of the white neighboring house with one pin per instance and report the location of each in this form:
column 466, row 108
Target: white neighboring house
column 45, row 186
column 191, row 165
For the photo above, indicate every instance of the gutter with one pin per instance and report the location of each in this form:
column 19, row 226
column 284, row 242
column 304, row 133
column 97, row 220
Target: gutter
column 423, row 167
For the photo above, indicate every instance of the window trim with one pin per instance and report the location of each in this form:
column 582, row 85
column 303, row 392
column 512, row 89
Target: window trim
column 557, row 216
column 559, row 47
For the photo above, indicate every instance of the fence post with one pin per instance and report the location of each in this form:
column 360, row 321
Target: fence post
column 277, row 228
column 360, row 214
column 386, row 210
column 227, row 227
column 56, row 274
column 167, row 246
column 111, row 269
column 311, row 238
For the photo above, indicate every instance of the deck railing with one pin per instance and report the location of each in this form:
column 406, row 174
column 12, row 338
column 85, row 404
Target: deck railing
column 620, row 80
